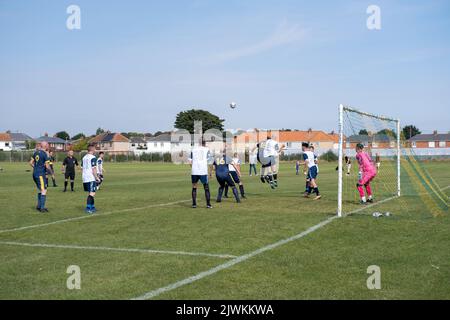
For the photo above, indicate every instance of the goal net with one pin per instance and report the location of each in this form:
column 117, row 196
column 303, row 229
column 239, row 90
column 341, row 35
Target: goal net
column 380, row 137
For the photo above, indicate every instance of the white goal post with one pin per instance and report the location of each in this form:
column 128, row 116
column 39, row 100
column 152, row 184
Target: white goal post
column 372, row 125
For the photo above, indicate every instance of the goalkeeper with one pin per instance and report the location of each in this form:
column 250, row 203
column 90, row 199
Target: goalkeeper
column 367, row 173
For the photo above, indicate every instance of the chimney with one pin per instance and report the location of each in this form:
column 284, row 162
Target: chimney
column 435, row 132
column 46, row 134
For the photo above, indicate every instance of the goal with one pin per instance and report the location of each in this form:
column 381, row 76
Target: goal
column 380, row 136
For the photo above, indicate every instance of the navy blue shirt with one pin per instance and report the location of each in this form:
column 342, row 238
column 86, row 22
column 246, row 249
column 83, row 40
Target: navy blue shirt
column 221, row 165
column 40, row 158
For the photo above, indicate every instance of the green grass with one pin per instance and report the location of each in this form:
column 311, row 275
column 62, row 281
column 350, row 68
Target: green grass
column 411, row 247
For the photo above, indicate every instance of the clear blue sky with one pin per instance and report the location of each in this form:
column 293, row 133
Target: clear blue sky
column 288, row 63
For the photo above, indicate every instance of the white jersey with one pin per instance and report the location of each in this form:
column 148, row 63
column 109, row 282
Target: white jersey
column 89, row 162
column 234, row 161
column 271, row 148
column 199, row 160
column 308, row 157
column 99, row 166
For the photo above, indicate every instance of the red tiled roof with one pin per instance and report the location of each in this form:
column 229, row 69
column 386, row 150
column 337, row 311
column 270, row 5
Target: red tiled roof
column 291, row 136
column 109, row 137
column 5, row 137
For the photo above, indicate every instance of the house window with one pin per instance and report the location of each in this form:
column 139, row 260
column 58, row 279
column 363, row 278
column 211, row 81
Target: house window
column 6, row 144
column 413, row 144
column 156, row 144
column 442, row 144
column 374, row 144
column 289, row 144
column 110, row 144
column 431, row 144
column 133, row 144
column 393, row 144
column 162, row 144
column 348, row 145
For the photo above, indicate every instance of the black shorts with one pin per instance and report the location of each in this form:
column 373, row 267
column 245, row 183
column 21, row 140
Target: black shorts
column 69, row 175
column 50, row 170
column 90, row 186
column 235, row 176
column 223, row 180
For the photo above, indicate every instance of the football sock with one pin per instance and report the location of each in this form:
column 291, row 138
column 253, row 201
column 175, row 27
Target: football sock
column 316, row 190
column 361, row 191
column 194, row 196
column 236, row 195
column 54, row 182
column 207, row 194
column 226, row 190
column 219, row 194
column 65, row 185
column 307, row 188
column 369, row 190
column 39, row 201
column 262, row 179
column 71, row 185
column 43, row 198
column 241, row 189
column 90, row 202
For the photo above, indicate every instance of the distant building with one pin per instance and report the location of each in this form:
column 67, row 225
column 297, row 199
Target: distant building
column 5, row 142
column 55, row 143
column 159, row 144
column 434, row 140
column 112, row 143
column 138, row 145
column 292, row 140
column 19, row 140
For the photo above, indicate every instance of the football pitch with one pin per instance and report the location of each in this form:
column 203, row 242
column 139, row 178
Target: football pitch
column 146, row 242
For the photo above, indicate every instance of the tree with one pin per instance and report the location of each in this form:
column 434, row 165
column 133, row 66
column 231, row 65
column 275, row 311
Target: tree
column 185, row 120
column 387, row 132
column 410, row 131
column 79, row 136
column 62, row 135
column 30, row 144
column 363, row 132
column 99, row 131
column 81, row 145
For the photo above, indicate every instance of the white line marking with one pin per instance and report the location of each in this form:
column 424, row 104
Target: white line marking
column 90, row 216
column 44, row 245
column 365, row 207
column 228, row 264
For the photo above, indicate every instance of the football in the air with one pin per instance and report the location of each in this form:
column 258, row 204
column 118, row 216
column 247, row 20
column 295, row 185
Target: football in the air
column 233, row 105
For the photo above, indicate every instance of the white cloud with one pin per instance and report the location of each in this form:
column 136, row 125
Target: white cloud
column 285, row 34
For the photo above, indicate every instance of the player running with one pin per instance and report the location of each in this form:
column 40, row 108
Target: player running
column 100, row 169
column 367, row 173
column 222, row 168
column 311, row 171
column 51, row 170
column 200, row 156
column 90, row 178
column 68, row 169
column 235, row 172
column 40, row 164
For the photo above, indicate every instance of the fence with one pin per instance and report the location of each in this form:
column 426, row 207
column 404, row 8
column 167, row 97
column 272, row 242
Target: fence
column 25, row 156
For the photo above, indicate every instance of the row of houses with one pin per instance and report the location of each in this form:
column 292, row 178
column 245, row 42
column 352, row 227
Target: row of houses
column 116, row 143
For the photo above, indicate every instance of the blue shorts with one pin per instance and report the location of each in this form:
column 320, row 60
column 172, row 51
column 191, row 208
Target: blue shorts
column 90, row 186
column 235, row 176
column 312, row 173
column 41, row 182
column 226, row 179
column 203, row 178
